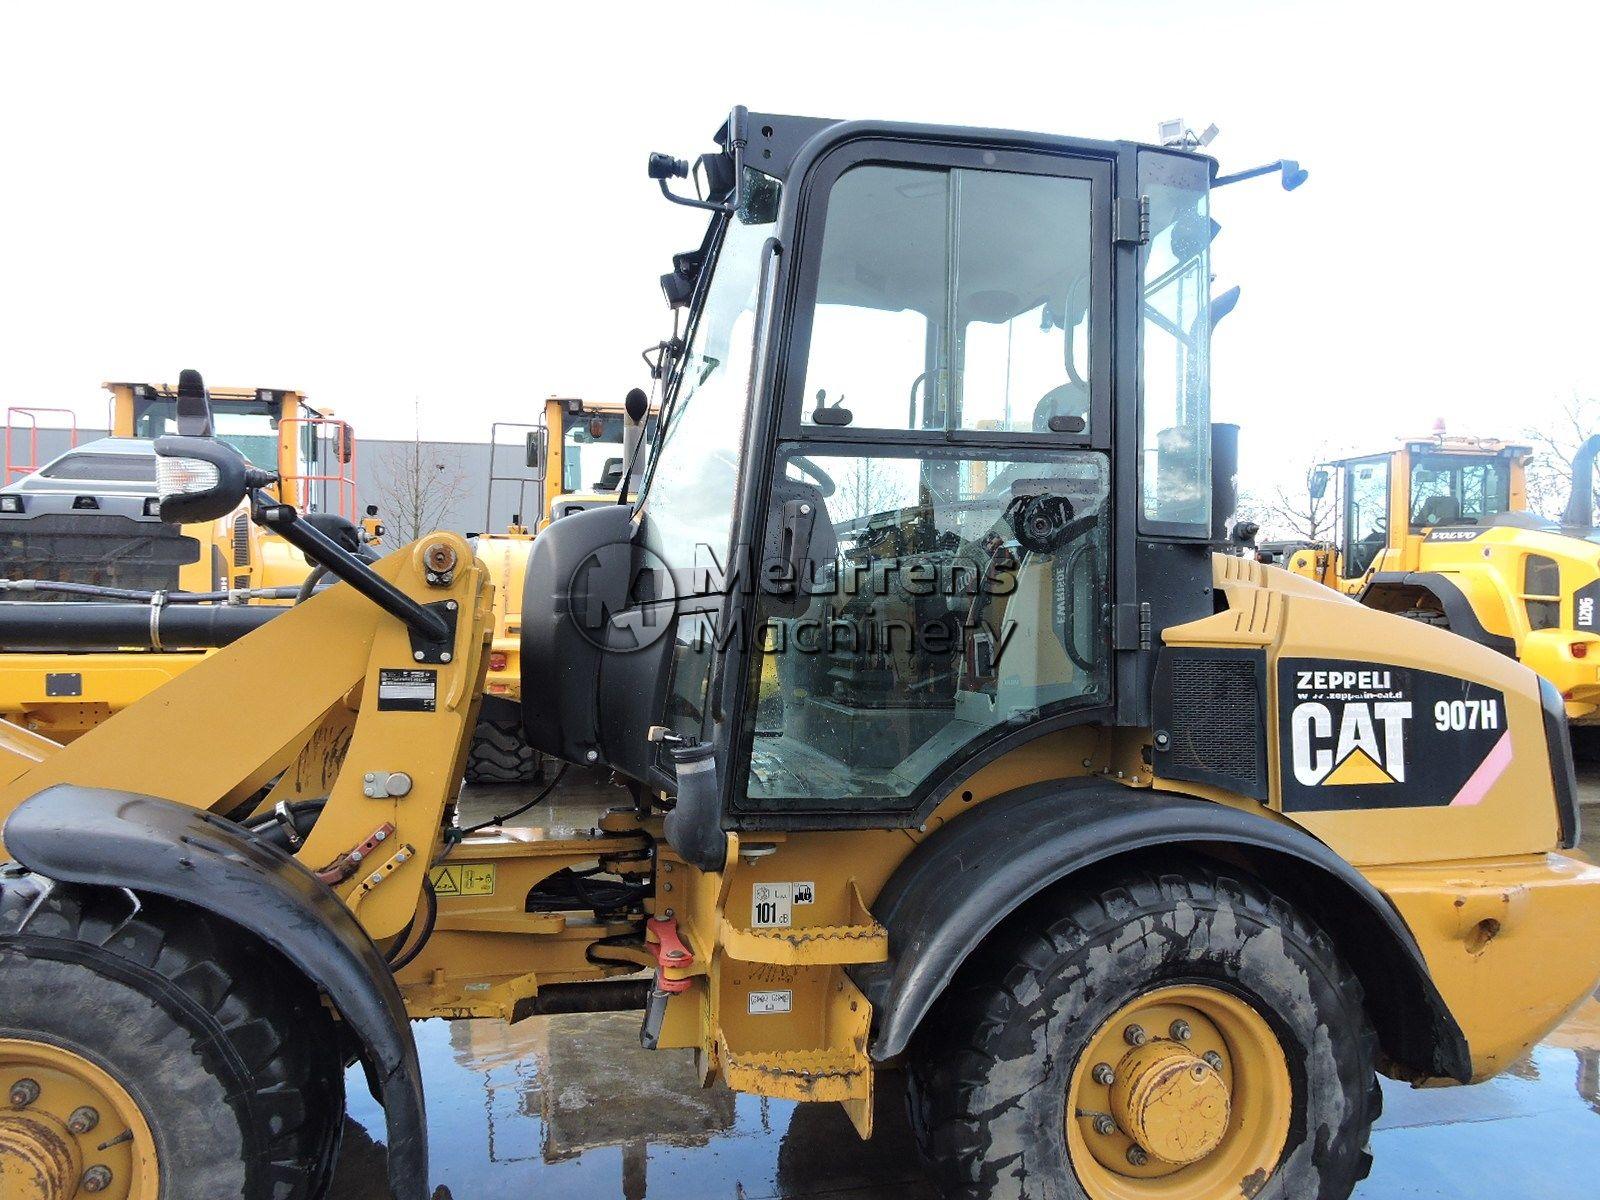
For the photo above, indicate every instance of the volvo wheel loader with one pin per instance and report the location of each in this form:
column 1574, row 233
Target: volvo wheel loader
column 949, row 742
column 1438, row 529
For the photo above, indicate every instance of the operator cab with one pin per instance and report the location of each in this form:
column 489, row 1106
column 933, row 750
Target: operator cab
column 925, row 370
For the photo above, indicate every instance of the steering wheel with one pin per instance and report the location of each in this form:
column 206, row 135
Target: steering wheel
column 818, row 476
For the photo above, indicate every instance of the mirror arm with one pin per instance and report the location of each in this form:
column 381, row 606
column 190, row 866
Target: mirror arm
column 283, row 520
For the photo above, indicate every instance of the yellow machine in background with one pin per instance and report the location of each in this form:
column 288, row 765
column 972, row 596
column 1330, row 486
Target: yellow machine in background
column 1140, row 860
column 576, row 458
column 1438, row 530
column 86, row 521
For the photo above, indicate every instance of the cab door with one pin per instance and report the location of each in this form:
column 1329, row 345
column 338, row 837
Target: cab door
column 934, row 534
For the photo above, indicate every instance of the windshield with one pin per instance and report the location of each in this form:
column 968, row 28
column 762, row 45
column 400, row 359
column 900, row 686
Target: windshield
column 249, row 427
column 1458, row 489
column 591, row 450
column 689, row 496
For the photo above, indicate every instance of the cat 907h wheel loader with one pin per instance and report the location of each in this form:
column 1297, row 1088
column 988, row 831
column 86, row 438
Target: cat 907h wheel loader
column 950, row 744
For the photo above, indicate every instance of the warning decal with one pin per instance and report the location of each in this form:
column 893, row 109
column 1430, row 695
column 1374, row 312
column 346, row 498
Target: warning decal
column 463, row 879
column 407, row 690
column 1357, row 735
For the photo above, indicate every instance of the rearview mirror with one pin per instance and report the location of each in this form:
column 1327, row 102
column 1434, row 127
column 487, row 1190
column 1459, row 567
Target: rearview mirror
column 199, row 478
column 536, row 446
column 1319, row 484
column 345, row 444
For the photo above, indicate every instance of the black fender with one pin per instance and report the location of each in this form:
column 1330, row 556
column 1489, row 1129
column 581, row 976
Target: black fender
column 98, row 837
column 1458, row 609
column 960, row 883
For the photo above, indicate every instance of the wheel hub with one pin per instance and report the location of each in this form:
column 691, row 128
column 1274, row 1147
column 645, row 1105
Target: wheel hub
column 39, row 1158
column 1174, row 1104
column 68, row 1129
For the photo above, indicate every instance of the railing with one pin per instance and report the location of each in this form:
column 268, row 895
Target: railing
column 300, row 488
column 16, row 468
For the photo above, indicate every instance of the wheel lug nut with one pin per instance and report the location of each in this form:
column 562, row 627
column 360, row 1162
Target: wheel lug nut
column 1214, row 1059
column 1104, row 1125
column 1104, row 1075
column 1180, row 1031
column 83, row 1120
column 1137, row 1156
column 96, row 1179
column 23, row 1093
column 1135, row 1035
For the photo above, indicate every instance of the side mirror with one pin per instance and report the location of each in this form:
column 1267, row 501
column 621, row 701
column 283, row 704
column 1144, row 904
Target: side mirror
column 536, row 449
column 344, row 443
column 1318, row 484
column 200, row 478
column 193, row 405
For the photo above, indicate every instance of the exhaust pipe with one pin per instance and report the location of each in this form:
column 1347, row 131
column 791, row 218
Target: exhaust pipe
column 1580, row 502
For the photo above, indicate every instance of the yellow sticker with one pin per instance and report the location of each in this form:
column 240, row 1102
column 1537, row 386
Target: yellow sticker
column 463, row 879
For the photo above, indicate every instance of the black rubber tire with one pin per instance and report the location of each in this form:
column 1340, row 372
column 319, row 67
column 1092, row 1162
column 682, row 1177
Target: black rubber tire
column 1427, row 616
column 990, row 1066
column 236, row 1069
column 500, row 754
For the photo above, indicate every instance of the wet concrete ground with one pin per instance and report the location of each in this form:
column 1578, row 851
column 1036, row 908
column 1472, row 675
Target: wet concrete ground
column 571, row 1107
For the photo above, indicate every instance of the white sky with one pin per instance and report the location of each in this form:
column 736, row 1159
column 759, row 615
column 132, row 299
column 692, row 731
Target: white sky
column 448, row 202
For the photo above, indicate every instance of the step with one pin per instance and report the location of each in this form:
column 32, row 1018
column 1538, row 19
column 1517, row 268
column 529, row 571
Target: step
column 863, row 940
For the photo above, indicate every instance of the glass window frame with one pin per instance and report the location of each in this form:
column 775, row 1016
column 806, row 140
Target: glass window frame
column 1346, row 508
column 811, row 224
column 1454, row 462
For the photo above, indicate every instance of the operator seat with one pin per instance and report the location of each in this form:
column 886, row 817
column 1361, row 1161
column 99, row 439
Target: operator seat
column 1438, row 510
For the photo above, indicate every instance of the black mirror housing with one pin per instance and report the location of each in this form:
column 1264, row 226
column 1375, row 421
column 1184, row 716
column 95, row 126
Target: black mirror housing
column 536, row 451
column 198, row 478
column 1318, row 484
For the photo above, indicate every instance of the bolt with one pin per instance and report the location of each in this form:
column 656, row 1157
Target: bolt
column 1135, row 1035
column 418, row 655
column 1137, row 1156
column 1213, row 1059
column 370, row 777
column 83, row 1120
column 1162, row 739
column 1104, row 1125
column 96, row 1179
column 445, row 657
column 450, row 605
column 592, row 756
column 23, row 1093
column 1104, row 1075
column 1180, row 1031
column 666, row 912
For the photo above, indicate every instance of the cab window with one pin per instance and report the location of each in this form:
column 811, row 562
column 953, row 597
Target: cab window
column 1454, row 489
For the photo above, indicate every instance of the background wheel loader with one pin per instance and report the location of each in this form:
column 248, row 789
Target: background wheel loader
column 83, row 527
column 1438, row 529
column 1141, row 859
column 583, row 455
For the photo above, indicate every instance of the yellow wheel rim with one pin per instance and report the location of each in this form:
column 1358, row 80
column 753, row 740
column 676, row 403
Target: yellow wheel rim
column 68, row 1129
column 1183, row 1094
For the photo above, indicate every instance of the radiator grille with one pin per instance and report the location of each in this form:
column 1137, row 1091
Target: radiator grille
column 241, row 540
column 1216, row 718
column 110, row 550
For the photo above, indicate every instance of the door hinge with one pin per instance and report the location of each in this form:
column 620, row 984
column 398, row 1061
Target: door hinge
column 1131, row 627
column 1133, row 221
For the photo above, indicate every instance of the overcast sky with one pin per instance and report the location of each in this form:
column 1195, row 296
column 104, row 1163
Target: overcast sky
column 448, row 202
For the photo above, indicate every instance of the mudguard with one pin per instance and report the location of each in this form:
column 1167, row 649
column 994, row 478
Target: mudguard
column 99, row 837
column 1458, row 609
column 970, row 873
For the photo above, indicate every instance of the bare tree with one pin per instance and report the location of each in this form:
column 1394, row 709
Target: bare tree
column 1294, row 511
column 418, row 485
column 1554, row 442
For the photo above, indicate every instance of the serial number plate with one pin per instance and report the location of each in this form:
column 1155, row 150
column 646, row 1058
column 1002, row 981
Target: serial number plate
column 770, row 1002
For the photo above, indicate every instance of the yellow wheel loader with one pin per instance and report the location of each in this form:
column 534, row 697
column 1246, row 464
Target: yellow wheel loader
column 1142, row 860
column 585, row 453
column 1438, row 530
column 84, row 527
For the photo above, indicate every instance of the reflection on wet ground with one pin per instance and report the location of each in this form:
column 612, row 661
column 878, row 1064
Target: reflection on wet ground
column 571, row 1106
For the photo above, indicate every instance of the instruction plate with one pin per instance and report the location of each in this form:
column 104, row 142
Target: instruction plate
column 770, row 1002
column 463, row 879
column 408, row 689
column 770, row 905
